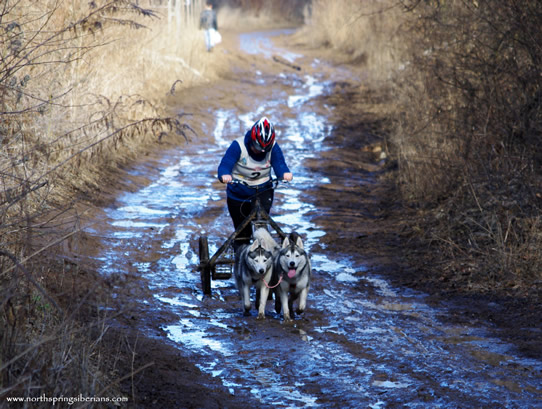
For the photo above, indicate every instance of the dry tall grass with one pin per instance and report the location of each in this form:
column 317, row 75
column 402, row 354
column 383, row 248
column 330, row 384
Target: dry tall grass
column 81, row 90
column 467, row 109
column 470, row 138
column 365, row 32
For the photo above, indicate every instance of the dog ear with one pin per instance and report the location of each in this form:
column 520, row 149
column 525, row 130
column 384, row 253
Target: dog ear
column 299, row 243
column 254, row 245
column 285, row 242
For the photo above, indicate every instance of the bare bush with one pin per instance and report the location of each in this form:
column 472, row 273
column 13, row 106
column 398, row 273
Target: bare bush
column 466, row 103
column 470, row 132
column 81, row 85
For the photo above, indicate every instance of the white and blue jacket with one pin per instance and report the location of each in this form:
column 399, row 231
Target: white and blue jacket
column 231, row 165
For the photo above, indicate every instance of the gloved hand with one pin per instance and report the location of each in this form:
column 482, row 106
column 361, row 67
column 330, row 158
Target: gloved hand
column 288, row 177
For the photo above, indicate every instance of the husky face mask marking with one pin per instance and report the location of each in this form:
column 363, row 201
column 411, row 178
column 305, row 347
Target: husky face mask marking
column 290, row 261
column 260, row 259
column 293, row 256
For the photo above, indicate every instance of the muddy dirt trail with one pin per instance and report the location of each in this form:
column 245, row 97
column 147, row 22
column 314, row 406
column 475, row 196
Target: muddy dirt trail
column 361, row 342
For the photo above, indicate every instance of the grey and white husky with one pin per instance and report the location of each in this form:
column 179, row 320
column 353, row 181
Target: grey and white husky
column 254, row 266
column 293, row 271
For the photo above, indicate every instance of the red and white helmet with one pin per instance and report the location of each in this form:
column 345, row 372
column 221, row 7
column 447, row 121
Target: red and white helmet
column 263, row 135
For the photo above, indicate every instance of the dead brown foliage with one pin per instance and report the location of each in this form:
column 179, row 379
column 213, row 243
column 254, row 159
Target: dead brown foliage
column 467, row 107
column 469, row 136
column 56, row 136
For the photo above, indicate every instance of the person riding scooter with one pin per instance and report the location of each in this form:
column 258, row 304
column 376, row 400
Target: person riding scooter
column 250, row 160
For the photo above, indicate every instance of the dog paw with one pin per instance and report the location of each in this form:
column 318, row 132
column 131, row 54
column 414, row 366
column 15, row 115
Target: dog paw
column 260, row 317
column 288, row 320
column 246, row 313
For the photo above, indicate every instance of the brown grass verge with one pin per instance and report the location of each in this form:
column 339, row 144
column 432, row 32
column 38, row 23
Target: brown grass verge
column 466, row 104
column 82, row 86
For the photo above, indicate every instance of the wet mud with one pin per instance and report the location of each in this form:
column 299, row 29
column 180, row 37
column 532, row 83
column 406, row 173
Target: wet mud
column 363, row 341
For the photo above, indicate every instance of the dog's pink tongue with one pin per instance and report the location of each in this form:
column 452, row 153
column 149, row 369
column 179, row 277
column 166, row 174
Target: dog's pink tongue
column 291, row 272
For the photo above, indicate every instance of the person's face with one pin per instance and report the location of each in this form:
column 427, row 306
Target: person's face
column 255, row 149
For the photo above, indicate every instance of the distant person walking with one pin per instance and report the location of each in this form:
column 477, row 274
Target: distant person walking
column 207, row 22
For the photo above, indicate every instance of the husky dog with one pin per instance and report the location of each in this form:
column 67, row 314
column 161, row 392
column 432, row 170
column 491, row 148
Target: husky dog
column 293, row 271
column 254, row 266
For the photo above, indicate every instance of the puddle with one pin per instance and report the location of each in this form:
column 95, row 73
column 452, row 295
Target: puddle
column 352, row 347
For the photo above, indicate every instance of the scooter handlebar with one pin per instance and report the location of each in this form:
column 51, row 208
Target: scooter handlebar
column 274, row 181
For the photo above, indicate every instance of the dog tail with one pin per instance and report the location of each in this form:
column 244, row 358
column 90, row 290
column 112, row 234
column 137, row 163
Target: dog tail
column 261, row 234
column 265, row 237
